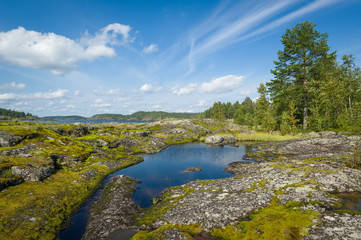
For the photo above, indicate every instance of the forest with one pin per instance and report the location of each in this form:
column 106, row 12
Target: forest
column 9, row 114
column 310, row 89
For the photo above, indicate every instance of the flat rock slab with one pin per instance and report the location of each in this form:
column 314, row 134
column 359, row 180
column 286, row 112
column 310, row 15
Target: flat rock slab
column 289, row 178
column 192, row 169
column 113, row 211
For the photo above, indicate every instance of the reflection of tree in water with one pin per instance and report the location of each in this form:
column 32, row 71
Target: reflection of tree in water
column 351, row 201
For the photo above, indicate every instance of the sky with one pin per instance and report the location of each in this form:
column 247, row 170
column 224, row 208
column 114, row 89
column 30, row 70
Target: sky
column 72, row 57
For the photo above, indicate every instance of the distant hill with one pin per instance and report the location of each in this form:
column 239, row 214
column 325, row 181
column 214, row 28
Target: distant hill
column 71, row 117
column 155, row 115
column 6, row 114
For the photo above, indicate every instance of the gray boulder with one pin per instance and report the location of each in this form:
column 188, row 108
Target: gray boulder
column 136, row 133
column 327, row 133
column 192, row 169
column 89, row 174
column 155, row 145
column 220, row 140
column 8, row 139
column 214, row 140
column 33, row 174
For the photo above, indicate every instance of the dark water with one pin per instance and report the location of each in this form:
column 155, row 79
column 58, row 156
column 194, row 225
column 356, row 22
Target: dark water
column 351, row 201
column 162, row 170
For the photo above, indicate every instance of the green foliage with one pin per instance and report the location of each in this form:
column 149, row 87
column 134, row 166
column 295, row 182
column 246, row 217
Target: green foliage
column 355, row 160
column 289, row 120
column 304, row 49
column 263, row 137
column 272, row 222
column 6, row 173
column 241, row 113
column 9, row 114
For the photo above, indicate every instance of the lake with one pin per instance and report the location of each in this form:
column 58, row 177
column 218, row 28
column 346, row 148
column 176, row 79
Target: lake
column 162, row 170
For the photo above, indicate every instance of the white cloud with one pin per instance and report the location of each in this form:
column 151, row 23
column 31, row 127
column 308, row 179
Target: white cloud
column 245, row 92
column 8, row 96
column 190, row 88
column 113, row 91
column 12, row 86
column 150, row 49
column 98, row 100
column 22, row 104
column 148, row 88
column 51, row 94
column 70, row 106
column 201, row 103
column 57, row 53
column 100, row 105
column 157, row 106
column 221, row 85
column 76, row 93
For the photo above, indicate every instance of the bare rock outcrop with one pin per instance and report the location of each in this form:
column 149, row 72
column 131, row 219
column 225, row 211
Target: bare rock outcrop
column 114, row 210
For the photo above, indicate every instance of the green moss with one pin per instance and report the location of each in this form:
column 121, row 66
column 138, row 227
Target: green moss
column 187, row 230
column 263, row 137
column 344, row 211
column 257, row 184
column 6, row 173
column 95, row 137
column 272, row 222
column 141, row 235
column 23, row 131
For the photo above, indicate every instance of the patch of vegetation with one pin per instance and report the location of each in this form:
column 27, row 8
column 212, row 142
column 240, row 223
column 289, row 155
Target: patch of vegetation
column 263, row 137
column 6, row 173
column 355, row 160
column 9, row 114
column 273, row 222
column 188, row 231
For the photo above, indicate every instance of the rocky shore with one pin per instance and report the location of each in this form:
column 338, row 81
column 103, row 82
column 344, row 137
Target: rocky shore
column 286, row 194
column 286, row 190
column 48, row 171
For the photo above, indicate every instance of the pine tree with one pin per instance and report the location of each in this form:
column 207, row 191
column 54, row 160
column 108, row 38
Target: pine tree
column 304, row 47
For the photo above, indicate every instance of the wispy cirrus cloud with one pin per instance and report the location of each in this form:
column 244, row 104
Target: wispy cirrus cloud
column 232, row 23
column 12, row 86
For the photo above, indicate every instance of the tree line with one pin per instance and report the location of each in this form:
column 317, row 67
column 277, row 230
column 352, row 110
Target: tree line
column 310, row 89
column 9, row 114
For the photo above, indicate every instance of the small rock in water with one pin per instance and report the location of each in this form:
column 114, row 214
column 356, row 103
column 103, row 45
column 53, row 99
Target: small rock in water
column 192, row 169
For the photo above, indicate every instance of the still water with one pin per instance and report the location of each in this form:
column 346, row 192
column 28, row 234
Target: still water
column 162, row 170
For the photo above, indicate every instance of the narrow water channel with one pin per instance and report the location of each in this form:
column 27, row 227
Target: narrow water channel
column 162, row 170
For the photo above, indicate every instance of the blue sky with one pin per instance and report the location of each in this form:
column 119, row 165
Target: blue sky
column 89, row 57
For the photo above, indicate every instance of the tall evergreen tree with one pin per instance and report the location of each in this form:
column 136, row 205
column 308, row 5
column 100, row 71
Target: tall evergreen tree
column 304, row 48
column 263, row 116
